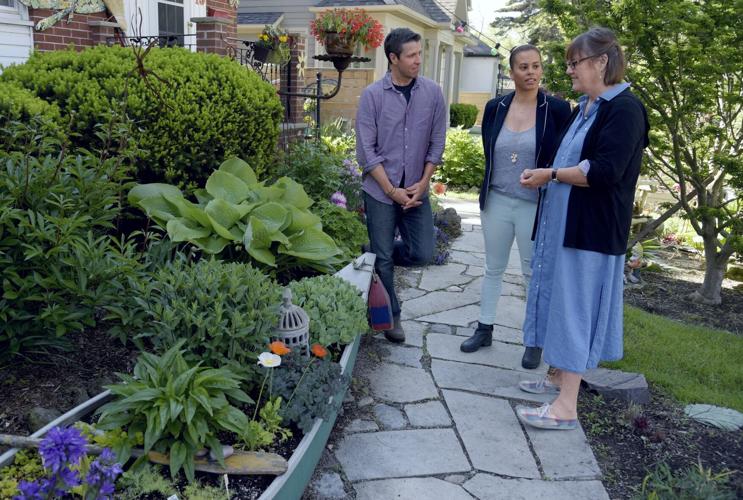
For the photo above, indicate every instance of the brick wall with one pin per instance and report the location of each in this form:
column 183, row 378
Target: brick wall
column 78, row 32
column 344, row 104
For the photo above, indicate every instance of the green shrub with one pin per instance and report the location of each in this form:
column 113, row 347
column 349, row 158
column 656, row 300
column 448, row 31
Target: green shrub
column 180, row 407
column 58, row 268
column 336, row 310
column 345, row 227
column 208, row 109
column 224, row 312
column 20, row 105
column 322, row 172
column 462, row 115
column 694, row 483
column 271, row 223
column 464, row 160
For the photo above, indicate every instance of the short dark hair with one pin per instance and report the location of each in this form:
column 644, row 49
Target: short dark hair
column 522, row 48
column 396, row 38
column 596, row 42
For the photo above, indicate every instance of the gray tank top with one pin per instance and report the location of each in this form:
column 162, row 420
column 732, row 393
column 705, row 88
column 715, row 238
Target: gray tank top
column 513, row 152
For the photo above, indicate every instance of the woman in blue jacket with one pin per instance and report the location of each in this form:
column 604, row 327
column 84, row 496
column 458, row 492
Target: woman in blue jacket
column 574, row 309
column 519, row 131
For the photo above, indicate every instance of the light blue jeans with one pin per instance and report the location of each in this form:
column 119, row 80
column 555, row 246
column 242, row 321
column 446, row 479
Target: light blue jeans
column 504, row 219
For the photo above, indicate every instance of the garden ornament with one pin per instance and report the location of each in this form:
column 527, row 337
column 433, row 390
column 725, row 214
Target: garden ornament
column 294, row 326
column 67, row 8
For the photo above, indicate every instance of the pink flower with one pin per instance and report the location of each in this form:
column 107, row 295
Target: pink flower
column 339, row 199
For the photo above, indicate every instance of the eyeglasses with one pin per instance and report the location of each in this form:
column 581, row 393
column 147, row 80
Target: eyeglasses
column 574, row 63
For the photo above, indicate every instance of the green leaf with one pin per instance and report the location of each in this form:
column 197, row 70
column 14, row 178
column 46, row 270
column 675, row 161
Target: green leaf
column 182, row 229
column 257, row 241
column 216, row 448
column 149, row 394
column 239, row 169
column 311, row 244
column 188, row 210
column 294, row 193
column 154, row 190
column 158, row 208
column 274, row 216
column 212, row 245
column 178, row 455
column 223, row 216
column 227, row 186
column 302, row 219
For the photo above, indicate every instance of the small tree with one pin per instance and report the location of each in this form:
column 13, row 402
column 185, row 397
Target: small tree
column 685, row 61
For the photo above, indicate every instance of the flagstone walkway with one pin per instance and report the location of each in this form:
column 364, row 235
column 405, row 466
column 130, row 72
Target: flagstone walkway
column 425, row 421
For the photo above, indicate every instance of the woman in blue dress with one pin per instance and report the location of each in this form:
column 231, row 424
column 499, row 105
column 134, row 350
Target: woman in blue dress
column 574, row 307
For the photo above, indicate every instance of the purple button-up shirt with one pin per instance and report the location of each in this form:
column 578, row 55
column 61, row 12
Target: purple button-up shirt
column 400, row 136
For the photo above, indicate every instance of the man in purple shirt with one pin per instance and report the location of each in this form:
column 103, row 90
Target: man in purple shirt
column 400, row 136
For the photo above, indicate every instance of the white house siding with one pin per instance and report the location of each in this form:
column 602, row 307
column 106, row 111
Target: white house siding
column 16, row 35
column 478, row 74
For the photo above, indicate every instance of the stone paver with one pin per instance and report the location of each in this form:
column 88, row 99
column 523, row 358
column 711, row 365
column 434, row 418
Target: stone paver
column 402, row 355
column 564, row 455
column 390, row 417
column 618, row 384
column 410, row 489
column 491, row 434
column 483, row 379
column 440, row 413
column 445, row 276
column 487, row 487
column 401, row 384
column 429, row 414
column 498, row 354
column 388, row 454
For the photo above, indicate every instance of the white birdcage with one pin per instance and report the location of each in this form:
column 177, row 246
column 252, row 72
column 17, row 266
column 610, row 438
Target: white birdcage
column 294, row 325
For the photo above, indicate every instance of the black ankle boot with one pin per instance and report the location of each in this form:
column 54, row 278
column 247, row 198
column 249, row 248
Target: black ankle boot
column 532, row 358
column 483, row 336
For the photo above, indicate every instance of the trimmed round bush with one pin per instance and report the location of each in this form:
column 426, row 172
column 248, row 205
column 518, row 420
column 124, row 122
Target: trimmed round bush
column 206, row 107
column 462, row 115
column 20, row 105
column 464, row 160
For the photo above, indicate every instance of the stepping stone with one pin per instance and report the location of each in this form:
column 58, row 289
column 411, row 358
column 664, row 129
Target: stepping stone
column 415, row 488
column 414, row 333
column 359, row 425
column 499, row 354
column 390, row 417
column 461, row 316
column 469, row 242
column 330, row 486
column 435, row 302
column 487, row 487
column 440, row 277
column 415, row 452
column 439, row 328
column 409, row 356
column 512, row 290
column 469, row 258
column 723, row 418
column 429, row 414
column 514, row 278
column 365, row 401
column 484, row 380
column 564, row 454
column 456, row 478
column 617, row 384
column 401, row 384
column 409, row 293
column 500, row 333
column 453, row 289
column 492, row 435
column 511, row 311
column 475, row 271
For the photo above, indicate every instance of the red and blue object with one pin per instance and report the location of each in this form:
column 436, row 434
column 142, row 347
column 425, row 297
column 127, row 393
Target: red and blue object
column 380, row 307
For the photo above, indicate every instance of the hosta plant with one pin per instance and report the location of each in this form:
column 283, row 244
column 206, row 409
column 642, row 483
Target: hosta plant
column 272, row 223
column 180, row 408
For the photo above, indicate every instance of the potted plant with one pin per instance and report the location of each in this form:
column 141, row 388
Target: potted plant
column 342, row 30
column 272, row 46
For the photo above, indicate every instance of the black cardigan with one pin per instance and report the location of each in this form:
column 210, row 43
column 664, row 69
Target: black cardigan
column 552, row 114
column 599, row 216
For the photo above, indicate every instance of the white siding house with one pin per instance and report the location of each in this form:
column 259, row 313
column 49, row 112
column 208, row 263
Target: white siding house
column 16, row 33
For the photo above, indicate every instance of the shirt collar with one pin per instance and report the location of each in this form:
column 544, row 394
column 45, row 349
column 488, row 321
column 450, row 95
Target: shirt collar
column 387, row 81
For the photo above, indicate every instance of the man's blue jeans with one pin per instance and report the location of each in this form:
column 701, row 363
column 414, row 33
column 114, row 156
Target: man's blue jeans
column 416, row 247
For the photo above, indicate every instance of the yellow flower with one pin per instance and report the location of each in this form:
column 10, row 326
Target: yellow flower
column 264, row 37
column 283, row 38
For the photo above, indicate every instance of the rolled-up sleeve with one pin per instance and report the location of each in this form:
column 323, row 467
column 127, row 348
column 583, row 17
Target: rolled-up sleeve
column 438, row 131
column 367, row 153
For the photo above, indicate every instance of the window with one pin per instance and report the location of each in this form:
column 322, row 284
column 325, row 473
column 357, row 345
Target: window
column 170, row 22
column 7, row 3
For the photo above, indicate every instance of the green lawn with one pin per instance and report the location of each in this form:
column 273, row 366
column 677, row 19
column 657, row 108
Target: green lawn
column 695, row 364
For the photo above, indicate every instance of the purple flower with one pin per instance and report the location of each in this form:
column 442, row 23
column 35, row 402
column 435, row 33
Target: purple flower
column 103, row 473
column 352, row 168
column 339, row 199
column 29, row 491
column 61, row 447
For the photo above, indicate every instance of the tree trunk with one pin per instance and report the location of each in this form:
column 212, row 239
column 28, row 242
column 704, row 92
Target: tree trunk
column 714, row 271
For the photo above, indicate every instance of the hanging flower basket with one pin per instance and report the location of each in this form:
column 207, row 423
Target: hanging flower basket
column 260, row 53
column 337, row 46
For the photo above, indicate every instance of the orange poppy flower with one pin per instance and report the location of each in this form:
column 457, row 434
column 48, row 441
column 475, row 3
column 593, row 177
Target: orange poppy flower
column 319, row 350
column 278, row 347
